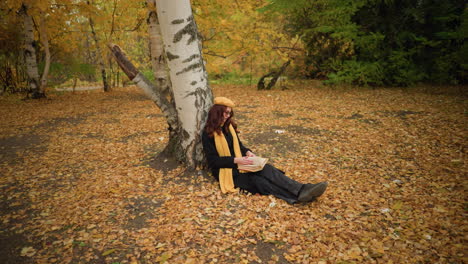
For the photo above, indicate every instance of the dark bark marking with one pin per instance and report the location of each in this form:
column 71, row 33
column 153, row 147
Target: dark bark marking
column 197, row 90
column 28, row 52
column 162, row 84
column 160, row 59
column 190, row 29
column 171, row 56
column 34, row 44
column 193, row 83
column 177, row 21
column 204, row 115
column 190, row 67
column 185, row 134
column 33, row 85
column 200, row 95
column 191, row 58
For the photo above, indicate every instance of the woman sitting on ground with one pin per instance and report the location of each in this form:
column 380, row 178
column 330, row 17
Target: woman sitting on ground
column 225, row 152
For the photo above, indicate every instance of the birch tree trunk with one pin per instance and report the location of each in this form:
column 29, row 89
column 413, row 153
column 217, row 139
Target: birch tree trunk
column 161, row 77
column 45, row 44
column 186, row 105
column 30, row 56
column 158, row 61
column 192, row 95
column 102, row 67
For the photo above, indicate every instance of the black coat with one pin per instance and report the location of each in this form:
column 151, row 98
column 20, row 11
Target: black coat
column 215, row 162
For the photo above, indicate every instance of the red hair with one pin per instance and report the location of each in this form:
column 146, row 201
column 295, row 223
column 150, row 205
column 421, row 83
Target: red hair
column 215, row 120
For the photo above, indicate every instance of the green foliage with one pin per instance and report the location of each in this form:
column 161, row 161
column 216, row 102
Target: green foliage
column 148, row 73
column 282, row 5
column 357, row 72
column 60, row 72
column 232, row 77
column 401, row 70
column 381, row 42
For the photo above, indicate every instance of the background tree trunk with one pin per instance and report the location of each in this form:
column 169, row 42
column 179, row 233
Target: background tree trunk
column 161, row 77
column 30, row 56
column 74, row 83
column 275, row 75
column 45, row 44
column 192, row 95
column 158, row 61
column 102, row 67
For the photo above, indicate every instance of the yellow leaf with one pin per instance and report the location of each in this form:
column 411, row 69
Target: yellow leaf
column 440, row 209
column 164, row 257
column 378, row 247
column 108, row 252
column 397, row 205
column 160, row 245
column 354, row 253
column 28, row 252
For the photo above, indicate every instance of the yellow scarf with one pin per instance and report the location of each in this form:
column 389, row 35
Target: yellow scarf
column 225, row 174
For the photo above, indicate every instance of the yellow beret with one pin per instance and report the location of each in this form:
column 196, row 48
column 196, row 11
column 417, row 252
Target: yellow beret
column 224, row 101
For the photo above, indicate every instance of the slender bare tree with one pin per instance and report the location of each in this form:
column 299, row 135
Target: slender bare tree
column 99, row 57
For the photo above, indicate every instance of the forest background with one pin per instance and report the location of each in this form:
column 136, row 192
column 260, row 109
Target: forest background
column 375, row 43
column 82, row 182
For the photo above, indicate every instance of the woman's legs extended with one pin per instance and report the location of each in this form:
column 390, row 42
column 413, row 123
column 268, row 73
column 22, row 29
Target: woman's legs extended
column 272, row 181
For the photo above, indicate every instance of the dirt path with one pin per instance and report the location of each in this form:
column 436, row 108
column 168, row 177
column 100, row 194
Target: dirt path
column 79, row 88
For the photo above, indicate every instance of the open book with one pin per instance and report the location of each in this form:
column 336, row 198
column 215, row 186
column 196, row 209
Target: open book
column 258, row 164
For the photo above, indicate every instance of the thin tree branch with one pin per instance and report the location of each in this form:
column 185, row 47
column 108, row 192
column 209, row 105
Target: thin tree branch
column 289, row 48
column 113, row 21
column 214, row 55
column 137, row 26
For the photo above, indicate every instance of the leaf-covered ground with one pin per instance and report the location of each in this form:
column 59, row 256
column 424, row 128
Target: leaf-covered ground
column 79, row 183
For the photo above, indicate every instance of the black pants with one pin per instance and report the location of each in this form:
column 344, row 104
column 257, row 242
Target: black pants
column 271, row 181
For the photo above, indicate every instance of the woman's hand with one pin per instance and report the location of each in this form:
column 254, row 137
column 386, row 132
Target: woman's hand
column 250, row 154
column 243, row 161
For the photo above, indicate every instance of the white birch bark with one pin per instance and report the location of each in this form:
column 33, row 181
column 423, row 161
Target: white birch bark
column 45, row 44
column 158, row 61
column 30, row 54
column 192, row 95
column 102, row 68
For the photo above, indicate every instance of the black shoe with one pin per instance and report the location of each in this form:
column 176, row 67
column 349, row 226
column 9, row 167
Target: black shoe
column 311, row 191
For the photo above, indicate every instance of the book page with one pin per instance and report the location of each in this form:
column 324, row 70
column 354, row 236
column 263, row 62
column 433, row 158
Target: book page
column 258, row 164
